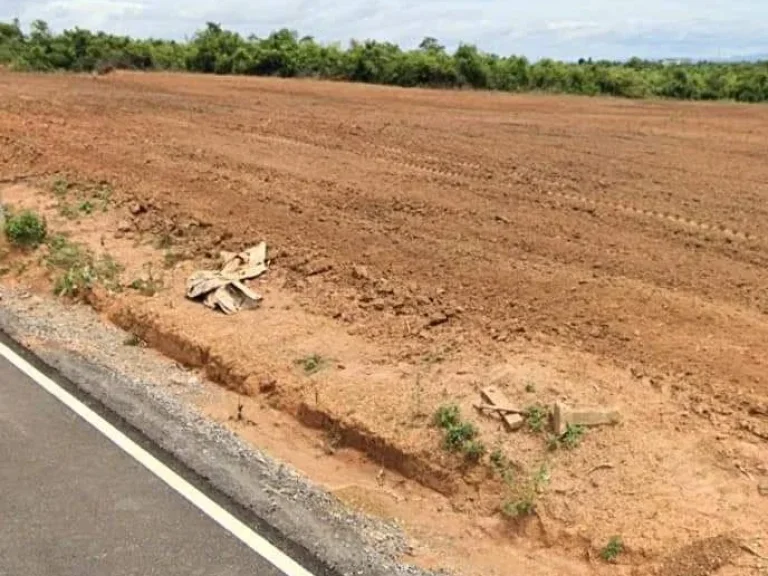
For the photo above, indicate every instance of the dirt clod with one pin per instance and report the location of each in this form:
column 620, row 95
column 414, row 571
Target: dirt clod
column 137, row 208
column 267, row 384
column 361, row 272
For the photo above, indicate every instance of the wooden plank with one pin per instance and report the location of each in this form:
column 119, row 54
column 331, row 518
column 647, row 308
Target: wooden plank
column 496, row 397
column 498, row 409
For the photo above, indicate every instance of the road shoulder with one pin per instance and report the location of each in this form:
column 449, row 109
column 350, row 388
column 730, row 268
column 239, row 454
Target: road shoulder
column 280, row 504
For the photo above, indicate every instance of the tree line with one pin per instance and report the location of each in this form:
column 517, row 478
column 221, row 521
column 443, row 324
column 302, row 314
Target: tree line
column 284, row 53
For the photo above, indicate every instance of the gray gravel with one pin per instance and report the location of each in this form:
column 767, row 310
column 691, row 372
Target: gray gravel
column 280, row 503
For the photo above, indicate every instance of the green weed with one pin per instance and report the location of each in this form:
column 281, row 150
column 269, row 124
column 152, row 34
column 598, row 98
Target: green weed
column 149, row 285
column 164, row 242
column 530, row 387
column 132, row 340
column 536, row 417
column 311, row 364
column 523, row 501
column 60, row 187
column 516, row 508
column 572, row 437
column 80, row 269
column 88, row 198
column 170, row 259
column 612, row 550
column 459, row 436
column 447, row 416
column 502, row 466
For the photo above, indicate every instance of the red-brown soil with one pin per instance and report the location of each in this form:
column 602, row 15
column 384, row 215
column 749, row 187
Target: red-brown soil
column 599, row 250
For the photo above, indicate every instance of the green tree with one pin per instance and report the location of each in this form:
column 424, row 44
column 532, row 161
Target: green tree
column 214, row 49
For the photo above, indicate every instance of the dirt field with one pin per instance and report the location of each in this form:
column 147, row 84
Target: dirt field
column 592, row 250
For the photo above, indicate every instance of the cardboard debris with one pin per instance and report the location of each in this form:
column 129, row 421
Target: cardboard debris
column 563, row 415
column 511, row 417
column 224, row 289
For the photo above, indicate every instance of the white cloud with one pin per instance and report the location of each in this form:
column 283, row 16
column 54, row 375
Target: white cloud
column 557, row 28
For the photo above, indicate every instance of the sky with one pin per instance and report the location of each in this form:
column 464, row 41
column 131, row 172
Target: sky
column 561, row 29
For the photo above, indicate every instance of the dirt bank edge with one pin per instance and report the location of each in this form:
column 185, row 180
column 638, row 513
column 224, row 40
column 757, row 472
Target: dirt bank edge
column 282, row 505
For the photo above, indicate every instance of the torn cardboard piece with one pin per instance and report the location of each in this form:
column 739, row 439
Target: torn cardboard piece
column 224, row 289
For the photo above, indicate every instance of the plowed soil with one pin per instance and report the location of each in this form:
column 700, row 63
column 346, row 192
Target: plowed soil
column 609, row 241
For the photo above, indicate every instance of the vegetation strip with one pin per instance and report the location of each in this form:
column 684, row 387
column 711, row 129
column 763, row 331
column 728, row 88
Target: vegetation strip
column 284, row 53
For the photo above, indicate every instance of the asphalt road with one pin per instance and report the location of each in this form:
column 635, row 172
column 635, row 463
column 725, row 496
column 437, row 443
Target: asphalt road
column 73, row 504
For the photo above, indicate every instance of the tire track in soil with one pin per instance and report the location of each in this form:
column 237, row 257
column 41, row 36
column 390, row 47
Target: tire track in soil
column 469, row 174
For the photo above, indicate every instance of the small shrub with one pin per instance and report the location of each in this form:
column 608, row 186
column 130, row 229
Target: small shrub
column 68, row 211
column 498, row 460
column 553, row 443
column 148, row 286
column 572, row 437
column 447, row 416
column 541, row 479
column 60, row 187
column 311, row 364
column 459, row 436
column 612, row 550
column 80, row 270
column 523, row 501
column 536, row 417
column 530, row 387
column 170, row 259
column 517, row 508
column 164, row 241
column 63, row 253
column 502, row 466
column 89, row 198
column 85, row 207
column 132, row 340
column 26, row 229
column 104, row 195
column 108, row 271
column 474, row 450
column 75, row 282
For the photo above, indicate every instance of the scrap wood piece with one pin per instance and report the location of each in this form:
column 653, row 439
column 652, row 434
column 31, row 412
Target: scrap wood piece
column 224, row 288
column 564, row 416
column 512, row 420
column 509, row 409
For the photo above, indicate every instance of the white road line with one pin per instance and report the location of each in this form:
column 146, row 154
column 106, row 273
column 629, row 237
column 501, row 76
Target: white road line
column 238, row 529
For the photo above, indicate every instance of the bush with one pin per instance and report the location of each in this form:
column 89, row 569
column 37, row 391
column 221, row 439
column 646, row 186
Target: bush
column 26, row 229
column 459, row 436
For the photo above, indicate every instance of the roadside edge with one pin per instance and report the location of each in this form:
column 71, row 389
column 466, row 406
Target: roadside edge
column 281, row 505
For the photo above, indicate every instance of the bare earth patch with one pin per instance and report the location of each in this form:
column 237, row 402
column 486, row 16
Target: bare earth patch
column 424, row 245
